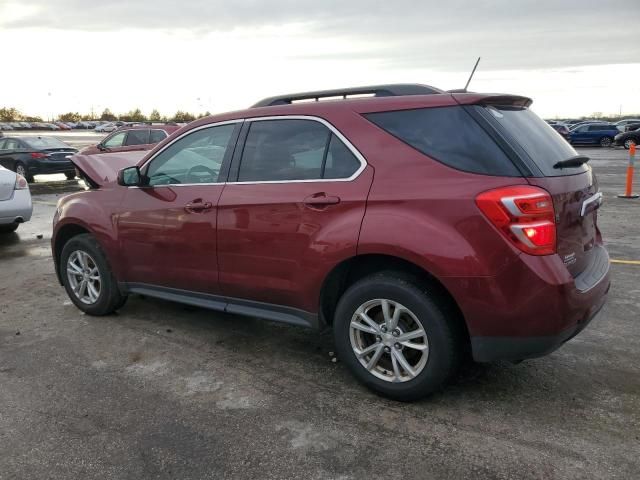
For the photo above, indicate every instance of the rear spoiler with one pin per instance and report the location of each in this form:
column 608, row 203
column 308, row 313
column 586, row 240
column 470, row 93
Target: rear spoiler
column 496, row 99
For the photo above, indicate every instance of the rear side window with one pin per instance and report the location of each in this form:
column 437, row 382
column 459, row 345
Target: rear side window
column 289, row 150
column 157, row 136
column 539, row 141
column 137, row 137
column 449, row 135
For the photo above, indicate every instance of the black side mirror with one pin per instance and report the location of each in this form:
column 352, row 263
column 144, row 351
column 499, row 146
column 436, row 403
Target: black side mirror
column 130, row 177
column 101, row 147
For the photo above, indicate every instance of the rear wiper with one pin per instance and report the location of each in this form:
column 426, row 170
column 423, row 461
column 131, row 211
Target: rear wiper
column 572, row 162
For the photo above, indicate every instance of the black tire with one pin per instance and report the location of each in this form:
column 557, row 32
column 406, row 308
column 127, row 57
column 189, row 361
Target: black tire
column 444, row 339
column 606, row 141
column 110, row 298
column 70, row 176
column 627, row 143
column 20, row 168
column 9, row 228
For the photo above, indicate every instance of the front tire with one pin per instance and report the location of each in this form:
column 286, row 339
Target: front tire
column 70, row 176
column 87, row 276
column 628, row 142
column 606, row 141
column 395, row 338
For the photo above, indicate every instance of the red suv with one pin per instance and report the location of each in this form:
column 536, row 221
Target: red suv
column 418, row 224
column 126, row 139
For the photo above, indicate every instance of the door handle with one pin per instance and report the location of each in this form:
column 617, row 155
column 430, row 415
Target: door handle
column 198, row 206
column 320, row 200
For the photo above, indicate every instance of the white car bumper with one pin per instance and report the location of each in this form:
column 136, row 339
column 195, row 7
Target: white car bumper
column 17, row 207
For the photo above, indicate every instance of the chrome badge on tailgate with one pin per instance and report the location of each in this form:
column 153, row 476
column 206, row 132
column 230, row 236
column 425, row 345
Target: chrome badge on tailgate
column 591, row 203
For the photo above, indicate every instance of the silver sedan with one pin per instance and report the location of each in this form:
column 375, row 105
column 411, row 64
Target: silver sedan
column 15, row 200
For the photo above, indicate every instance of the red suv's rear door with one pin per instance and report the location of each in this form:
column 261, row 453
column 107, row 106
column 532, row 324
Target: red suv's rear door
column 282, row 223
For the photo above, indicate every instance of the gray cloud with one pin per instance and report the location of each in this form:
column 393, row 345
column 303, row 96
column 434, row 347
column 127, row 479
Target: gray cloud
column 446, row 34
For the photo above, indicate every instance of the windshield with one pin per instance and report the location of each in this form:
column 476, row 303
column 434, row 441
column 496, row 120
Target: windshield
column 539, row 141
column 45, row 143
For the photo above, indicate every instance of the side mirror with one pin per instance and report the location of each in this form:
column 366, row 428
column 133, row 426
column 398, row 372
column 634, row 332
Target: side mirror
column 130, row 177
column 101, row 147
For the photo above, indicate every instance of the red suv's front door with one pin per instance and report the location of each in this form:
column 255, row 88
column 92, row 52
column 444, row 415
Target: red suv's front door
column 167, row 229
column 293, row 213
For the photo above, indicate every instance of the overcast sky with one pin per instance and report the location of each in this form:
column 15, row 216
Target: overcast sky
column 572, row 57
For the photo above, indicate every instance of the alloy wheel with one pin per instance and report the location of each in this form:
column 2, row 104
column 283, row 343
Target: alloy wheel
column 20, row 170
column 605, row 142
column 628, row 142
column 389, row 340
column 84, row 277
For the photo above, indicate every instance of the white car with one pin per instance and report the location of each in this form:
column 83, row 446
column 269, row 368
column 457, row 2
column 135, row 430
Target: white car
column 107, row 127
column 622, row 124
column 15, row 201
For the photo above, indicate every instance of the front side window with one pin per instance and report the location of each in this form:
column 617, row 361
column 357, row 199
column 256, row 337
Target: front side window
column 289, row 150
column 195, row 158
column 137, row 137
column 116, row 141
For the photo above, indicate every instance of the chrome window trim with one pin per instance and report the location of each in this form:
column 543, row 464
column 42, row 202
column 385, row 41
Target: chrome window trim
column 201, row 127
column 334, row 130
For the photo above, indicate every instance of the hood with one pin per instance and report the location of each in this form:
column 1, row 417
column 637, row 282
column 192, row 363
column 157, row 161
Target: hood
column 103, row 168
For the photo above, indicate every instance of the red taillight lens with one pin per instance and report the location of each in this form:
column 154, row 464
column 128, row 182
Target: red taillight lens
column 38, row 155
column 21, row 183
column 524, row 214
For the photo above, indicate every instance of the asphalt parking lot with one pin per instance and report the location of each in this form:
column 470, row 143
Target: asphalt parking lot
column 166, row 391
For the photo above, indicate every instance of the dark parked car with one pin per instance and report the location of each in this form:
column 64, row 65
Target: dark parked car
column 593, row 134
column 29, row 156
column 562, row 129
column 418, row 224
column 627, row 138
column 131, row 138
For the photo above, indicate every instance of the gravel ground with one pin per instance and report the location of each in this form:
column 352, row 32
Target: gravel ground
column 165, row 391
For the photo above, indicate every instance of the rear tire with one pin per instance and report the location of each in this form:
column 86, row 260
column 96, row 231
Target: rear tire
column 70, row 176
column 9, row 228
column 432, row 359
column 21, row 169
column 83, row 260
column 606, row 141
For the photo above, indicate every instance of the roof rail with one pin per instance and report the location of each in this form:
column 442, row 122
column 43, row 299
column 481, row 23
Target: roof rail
column 391, row 90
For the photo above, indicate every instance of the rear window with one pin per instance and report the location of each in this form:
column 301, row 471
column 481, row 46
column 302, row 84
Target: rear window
column 540, row 142
column 449, row 135
column 43, row 143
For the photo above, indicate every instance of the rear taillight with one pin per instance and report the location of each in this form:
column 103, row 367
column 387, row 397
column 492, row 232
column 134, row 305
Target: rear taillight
column 38, row 155
column 524, row 214
column 21, row 183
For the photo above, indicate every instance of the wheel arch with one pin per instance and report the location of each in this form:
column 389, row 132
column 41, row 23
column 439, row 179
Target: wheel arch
column 352, row 269
column 62, row 236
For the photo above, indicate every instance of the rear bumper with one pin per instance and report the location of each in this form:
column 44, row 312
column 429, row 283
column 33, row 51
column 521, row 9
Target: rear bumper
column 532, row 307
column 18, row 207
column 489, row 349
column 44, row 167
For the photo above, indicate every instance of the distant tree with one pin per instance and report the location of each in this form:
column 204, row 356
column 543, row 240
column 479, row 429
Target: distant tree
column 107, row 115
column 183, row 117
column 32, row 119
column 9, row 115
column 133, row 116
column 86, row 116
column 205, row 114
column 155, row 116
column 70, row 117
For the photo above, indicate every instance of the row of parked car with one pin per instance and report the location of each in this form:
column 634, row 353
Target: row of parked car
column 30, row 156
column 597, row 132
column 98, row 125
